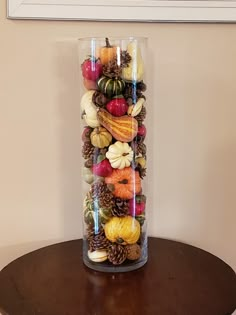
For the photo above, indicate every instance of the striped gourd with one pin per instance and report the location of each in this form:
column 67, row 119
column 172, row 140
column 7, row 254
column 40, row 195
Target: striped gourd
column 111, row 87
column 93, row 213
column 123, row 128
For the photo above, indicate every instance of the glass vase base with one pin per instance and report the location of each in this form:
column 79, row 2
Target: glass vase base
column 105, row 267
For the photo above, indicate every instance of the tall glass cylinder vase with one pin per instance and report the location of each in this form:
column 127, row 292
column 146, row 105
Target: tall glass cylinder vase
column 113, row 111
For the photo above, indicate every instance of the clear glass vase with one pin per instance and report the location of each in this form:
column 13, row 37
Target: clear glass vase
column 113, row 111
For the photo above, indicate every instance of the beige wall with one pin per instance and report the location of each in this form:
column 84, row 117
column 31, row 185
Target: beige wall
column 192, row 75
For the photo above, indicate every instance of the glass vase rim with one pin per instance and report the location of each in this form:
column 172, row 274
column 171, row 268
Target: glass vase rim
column 100, row 38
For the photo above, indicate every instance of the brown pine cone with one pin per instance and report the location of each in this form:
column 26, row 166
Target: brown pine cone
column 99, row 99
column 125, row 58
column 90, row 232
column 87, row 150
column 89, row 162
column 99, row 241
column 100, row 192
column 141, row 116
column 121, row 208
column 139, row 148
column 133, row 251
column 112, row 69
column 142, row 171
column 142, row 148
column 117, row 254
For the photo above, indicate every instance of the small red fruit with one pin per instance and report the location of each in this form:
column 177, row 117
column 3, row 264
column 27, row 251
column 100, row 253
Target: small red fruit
column 117, row 106
column 103, row 168
column 142, row 131
column 90, row 84
column 91, row 69
column 137, row 205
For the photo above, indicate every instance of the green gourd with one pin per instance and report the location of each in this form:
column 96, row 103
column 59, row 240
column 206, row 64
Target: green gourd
column 111, row 87
column 93, row 213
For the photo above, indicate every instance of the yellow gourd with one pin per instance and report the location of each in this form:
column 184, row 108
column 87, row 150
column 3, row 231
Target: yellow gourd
column 135, row 70
column 100, row 137
column 124, row 230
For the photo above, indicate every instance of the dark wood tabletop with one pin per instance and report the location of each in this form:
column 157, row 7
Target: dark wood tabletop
column 178, row 279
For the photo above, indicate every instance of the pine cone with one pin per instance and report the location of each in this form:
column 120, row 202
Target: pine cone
column 90, row 232
column 121, row 208
column 141, row 116
column 89, row 162
column 99, row 99
column 87, row 150
column 125, row 58
column 112, row 69
column 97, row 240
column 133, row 251
column 139, row 148
column 100, row 192
column 142, row 171
column 117, row 254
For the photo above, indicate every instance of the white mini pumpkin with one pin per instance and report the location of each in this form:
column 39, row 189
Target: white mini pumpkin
column 120, row 155
column 97, row 255
column 89, row 109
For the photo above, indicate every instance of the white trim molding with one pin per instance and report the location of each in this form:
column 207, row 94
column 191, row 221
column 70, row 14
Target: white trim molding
column 125, row 10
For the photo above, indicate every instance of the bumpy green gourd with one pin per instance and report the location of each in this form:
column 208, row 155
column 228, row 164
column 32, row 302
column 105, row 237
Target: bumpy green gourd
column 111, row 87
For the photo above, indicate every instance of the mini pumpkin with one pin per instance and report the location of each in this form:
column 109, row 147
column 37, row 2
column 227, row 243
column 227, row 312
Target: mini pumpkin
column 97, row 255
column 89, row 109
column 108, row 52
column 125, row 230
column 100, row 137
column 124, row 183
column 120, row 155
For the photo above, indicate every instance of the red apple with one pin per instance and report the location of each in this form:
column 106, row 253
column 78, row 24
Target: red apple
column 142, row 131
column 103, row 168
column 137, row 205
column 91, row 69
column 117, row 106
column 90, row 84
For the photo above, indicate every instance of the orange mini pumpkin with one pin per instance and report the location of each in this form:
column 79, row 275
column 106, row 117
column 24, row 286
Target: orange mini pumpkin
column 124, row 183
column 108, row 52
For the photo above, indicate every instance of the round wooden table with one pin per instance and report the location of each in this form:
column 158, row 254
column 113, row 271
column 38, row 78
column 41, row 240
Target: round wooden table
column 178, row 279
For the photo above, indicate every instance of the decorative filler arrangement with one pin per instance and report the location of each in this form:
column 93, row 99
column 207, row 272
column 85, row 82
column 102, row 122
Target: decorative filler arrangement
column 113, row 110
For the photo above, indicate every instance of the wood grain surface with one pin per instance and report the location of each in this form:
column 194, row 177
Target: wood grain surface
column 178, row 279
